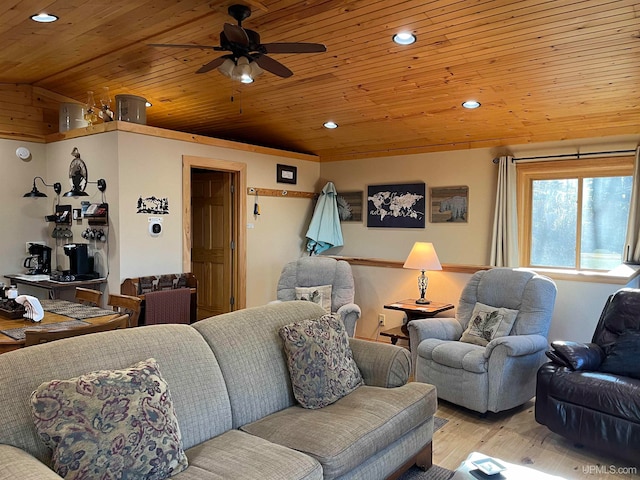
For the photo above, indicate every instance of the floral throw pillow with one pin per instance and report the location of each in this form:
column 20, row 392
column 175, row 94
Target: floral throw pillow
column 320, row 295
column 111, row 424
column 488, row 323
column 320, row 361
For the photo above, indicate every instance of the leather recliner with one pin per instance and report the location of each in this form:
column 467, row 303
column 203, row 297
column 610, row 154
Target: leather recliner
column 590, row 392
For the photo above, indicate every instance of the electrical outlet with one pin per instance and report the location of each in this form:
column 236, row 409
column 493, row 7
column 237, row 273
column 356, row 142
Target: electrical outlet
column 381, row 319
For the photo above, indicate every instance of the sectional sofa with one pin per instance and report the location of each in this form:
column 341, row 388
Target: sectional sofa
column 233, row 400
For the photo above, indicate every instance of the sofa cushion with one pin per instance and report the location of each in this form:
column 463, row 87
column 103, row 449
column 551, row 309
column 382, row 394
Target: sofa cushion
column 320, row 361
column 623, row 356
column 348, row 432
column 116, row 422
column 487, row 323
column 320, row 295
column 239, row 456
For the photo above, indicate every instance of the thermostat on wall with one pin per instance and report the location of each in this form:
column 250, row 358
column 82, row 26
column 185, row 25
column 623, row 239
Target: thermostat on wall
column 155, row 226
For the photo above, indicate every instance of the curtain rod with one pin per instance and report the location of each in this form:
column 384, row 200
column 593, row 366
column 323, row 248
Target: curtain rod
column 567, row 155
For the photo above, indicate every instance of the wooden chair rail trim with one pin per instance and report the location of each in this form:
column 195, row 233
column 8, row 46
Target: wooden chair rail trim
column 619, row 276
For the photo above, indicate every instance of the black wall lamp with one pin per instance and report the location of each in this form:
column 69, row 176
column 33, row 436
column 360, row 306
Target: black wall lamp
column 35, row 193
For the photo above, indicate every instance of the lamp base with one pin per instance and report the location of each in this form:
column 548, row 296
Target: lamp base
column 423, row 301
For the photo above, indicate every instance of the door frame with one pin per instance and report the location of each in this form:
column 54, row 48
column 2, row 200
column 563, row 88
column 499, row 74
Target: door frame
column 239, row 213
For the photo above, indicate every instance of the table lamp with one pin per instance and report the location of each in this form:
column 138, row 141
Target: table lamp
column 422, row 257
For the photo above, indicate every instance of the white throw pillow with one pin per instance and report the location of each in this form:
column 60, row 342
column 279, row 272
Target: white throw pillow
column 320, row 295
column 487, row 323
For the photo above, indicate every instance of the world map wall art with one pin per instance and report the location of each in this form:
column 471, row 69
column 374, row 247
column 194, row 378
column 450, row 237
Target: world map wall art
column 396, row 206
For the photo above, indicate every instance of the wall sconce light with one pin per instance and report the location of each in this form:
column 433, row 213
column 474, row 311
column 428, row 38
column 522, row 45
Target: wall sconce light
column 422, row 257
column 35, row 193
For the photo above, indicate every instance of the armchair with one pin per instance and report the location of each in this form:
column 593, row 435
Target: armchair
column 316, row 271
column 486, row 358
column 590, row 392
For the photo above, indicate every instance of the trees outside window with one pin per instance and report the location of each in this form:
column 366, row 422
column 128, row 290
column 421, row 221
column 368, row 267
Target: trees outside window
column 573, row 214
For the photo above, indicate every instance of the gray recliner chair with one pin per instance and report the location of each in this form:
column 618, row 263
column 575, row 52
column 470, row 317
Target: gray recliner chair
column 315, row 271
column 501, row 374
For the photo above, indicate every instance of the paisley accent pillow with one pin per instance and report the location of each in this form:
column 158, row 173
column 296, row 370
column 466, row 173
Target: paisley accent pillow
column 488, row 323
column 320, row 361
column 110, row 424
column 320, row 295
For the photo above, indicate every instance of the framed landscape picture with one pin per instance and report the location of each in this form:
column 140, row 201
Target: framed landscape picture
column 350, row 206
column 449, row 204
column 396, row 206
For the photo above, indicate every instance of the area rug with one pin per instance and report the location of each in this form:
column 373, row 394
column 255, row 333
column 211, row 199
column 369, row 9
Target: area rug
column 18, row 333
column 435, row 472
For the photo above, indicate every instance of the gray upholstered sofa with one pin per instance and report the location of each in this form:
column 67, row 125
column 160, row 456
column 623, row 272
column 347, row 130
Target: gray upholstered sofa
column 228, row 375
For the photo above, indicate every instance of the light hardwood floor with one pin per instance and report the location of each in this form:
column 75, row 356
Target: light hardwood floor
column 516, row 437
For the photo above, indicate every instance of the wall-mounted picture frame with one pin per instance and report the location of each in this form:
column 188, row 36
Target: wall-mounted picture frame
column 396, row 206
column 287, row 174
column 449, row 204
column 350, row 206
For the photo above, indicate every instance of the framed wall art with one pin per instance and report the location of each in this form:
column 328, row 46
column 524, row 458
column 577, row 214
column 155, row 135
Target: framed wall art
column 396, row 206
column 350, row 206
column 449, row 204
column 287, row 174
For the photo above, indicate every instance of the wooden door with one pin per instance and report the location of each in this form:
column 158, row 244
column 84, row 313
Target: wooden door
column 212, row 242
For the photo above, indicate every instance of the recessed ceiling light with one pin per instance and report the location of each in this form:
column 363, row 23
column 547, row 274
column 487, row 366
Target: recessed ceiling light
column 330, row 124
column 44, row 18
column 404, row 38
column 471, row 104
column 148, row 104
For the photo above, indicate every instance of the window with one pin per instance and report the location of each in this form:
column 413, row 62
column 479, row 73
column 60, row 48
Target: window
column 573, row 214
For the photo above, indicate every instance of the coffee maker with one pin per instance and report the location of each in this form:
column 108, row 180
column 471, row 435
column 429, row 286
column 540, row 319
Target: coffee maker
column 80, row 262
column 39, row 260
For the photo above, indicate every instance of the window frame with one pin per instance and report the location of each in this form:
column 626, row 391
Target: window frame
column 527, row 172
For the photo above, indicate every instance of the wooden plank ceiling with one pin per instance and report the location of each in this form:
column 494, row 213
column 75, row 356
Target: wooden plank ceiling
column 544, row 70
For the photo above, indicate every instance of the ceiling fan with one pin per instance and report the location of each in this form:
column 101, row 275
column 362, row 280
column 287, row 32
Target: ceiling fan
column 248, row 57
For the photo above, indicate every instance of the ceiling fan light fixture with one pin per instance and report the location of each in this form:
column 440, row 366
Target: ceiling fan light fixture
column 330, row 125
column 44, row 18
column 227, row 67
column 404, row 38
column 471, row 104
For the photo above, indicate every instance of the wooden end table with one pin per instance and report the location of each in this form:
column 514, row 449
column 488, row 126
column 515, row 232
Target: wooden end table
column 414, row 311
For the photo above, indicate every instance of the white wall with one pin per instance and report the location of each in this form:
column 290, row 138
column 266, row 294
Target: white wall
column 141, row 165
column 578, row 304
column 21, row 219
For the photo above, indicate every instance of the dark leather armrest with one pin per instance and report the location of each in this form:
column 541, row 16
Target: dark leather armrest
column 576, row 356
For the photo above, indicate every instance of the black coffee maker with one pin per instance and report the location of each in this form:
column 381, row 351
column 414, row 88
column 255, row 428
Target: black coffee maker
column 80, row 262
column 39, row 260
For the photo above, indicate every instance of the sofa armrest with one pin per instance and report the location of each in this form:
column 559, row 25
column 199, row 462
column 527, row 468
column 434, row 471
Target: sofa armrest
column 16, row 464
column 576, row 356
column 517, row 345
column 381, row 364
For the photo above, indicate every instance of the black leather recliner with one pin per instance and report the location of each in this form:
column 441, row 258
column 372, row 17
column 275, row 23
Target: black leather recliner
column 590, row 393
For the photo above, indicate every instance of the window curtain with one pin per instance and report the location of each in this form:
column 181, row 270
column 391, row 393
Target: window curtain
column 632, row 242
column 504, row 242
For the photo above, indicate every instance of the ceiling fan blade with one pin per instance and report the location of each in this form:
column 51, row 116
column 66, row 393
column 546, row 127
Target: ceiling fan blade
column 273, row 66
column 215, row 63
column 294, row 48
column 236, row 34
column 176, row 45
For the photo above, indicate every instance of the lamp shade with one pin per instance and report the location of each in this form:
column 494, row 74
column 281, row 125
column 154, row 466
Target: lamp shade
column 423, row 257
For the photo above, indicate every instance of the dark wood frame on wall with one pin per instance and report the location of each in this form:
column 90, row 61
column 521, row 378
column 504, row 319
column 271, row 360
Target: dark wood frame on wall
column 287, row 174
